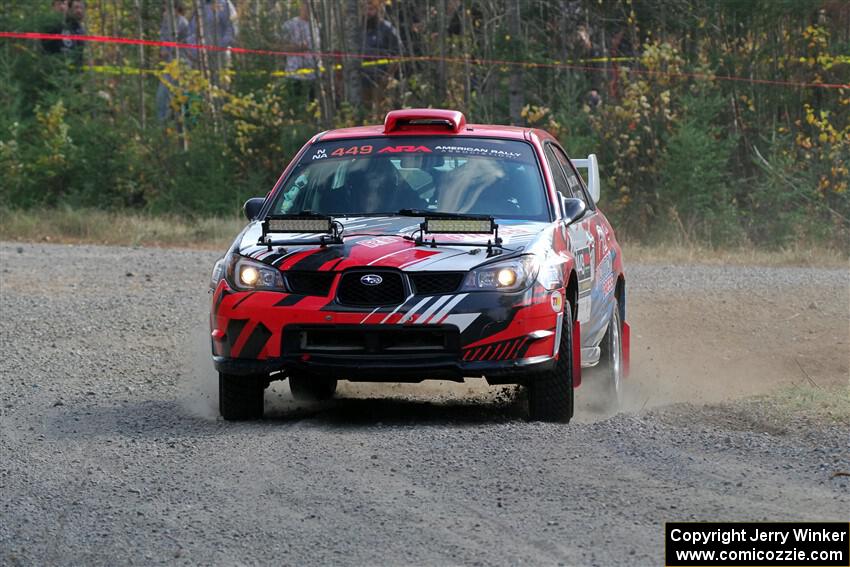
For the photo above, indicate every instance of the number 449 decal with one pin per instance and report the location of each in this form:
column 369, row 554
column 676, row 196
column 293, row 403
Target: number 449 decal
column 367, row 149
column 352, row 151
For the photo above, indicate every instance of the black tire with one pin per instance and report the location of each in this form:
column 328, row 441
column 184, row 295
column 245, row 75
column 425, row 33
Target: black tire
column 609, row 372
column 550, row 393
column 311, row 388
column 241, row 397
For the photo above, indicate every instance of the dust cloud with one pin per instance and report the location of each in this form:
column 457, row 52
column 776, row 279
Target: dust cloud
column 694, row 348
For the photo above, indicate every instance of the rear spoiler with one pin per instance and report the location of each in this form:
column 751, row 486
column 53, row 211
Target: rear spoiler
column 592, row 167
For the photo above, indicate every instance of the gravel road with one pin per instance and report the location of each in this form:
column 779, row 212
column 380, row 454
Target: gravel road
column 111, row 454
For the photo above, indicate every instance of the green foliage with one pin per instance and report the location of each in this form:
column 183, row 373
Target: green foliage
column 695, row 187
column 684, row 153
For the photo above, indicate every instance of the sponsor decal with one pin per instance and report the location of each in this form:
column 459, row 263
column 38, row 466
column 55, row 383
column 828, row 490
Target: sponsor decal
column 321, row 154
column 404, row 150
column 608, row 284
column 474, row 150
column 378, row 242
column 601, row 240
column 584, row 264
column 584, row 273
column 352, row 151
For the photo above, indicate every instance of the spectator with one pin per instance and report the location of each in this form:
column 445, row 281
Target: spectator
column 301, row 34
column 66, row 18
column 75, row 25
column 586, row 54
column 171, row 30
column 215, row 29
column 55, row 24
column 621, row 46
column 379, row 38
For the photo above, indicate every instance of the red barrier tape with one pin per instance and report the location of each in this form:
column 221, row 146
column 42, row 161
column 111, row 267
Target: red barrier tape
column 425, row 58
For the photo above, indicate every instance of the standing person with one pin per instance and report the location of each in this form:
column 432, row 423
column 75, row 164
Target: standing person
column 586, row 52
column 621, row 46
column 179, row 34
column 215, row 29
column 301, row 34
column 66, row 18
column 75, row 25
column 55, row 24
column 379, row 38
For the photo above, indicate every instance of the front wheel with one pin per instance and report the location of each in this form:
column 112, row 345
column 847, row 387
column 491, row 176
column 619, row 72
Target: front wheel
column 241, row 397
column 550, row 392
column 311, row 388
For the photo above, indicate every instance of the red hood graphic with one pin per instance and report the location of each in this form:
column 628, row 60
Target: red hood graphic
column 386, row 242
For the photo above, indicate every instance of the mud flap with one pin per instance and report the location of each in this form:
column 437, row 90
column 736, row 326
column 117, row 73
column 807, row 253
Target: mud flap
column 626, row 348
column 576, row 354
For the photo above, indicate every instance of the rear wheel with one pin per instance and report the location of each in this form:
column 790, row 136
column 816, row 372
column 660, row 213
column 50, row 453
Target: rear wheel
column 312, row 388
column 610, row 369
column 241, row 397
column 550, row 392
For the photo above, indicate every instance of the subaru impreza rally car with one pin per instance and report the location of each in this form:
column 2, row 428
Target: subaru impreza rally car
column 426, row 248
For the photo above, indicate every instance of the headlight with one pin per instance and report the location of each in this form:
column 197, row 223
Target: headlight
column 511, row 275
column 247, row 275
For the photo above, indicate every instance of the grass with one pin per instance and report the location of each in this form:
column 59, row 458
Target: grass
column 125, row 229
column 135, row 229
column 800, row 255
column 827, row 404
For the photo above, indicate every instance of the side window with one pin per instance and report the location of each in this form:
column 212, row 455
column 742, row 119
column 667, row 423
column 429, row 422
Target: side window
column 557, row 173
column 573, row 179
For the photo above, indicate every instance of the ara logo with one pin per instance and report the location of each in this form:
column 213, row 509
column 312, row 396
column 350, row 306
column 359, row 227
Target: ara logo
column 404, row 149
column 371, row 279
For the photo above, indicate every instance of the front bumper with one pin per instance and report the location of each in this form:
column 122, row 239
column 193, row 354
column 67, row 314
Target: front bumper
column 389, row 368
column 498, row 335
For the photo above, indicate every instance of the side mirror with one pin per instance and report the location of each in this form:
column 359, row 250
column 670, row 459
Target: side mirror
column 252, row 207
column 573, row 209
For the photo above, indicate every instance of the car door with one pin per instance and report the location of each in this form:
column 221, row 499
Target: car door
column 581, row 239
column 596, row 229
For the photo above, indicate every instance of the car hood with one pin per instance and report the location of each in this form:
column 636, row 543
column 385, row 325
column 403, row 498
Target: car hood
column 377, row 242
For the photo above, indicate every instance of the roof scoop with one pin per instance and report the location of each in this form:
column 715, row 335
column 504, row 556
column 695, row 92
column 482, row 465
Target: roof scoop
column 424, row 120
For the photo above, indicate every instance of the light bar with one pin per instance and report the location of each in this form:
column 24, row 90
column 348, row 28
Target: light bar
column 296, row 224
column 459, row 226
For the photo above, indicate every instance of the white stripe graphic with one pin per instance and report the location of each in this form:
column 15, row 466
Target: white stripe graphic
column 461, row 320
column 388, row 255
column 413, row 310
column 369, row 315
column 438, row 318
column 403, row 266
column 427, row 314
column 284, row 257
column 393, row 312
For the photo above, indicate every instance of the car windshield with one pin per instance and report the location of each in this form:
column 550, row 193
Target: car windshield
column 369, row 176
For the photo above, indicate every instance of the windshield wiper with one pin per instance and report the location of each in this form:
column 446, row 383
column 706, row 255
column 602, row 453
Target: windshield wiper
column 437, row 214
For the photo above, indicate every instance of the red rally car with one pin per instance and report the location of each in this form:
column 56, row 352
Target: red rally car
column 426, row 248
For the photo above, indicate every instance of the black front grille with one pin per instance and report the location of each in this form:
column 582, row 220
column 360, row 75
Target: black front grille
column 434, row 283
column 353, row 291
column 370, row 340
column 310, row 283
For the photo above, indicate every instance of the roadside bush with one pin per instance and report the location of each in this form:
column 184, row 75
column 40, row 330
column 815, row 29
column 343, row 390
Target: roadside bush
column 695, row 189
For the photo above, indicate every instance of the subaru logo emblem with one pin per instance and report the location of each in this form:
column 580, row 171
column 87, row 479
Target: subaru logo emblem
column 371, row 279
